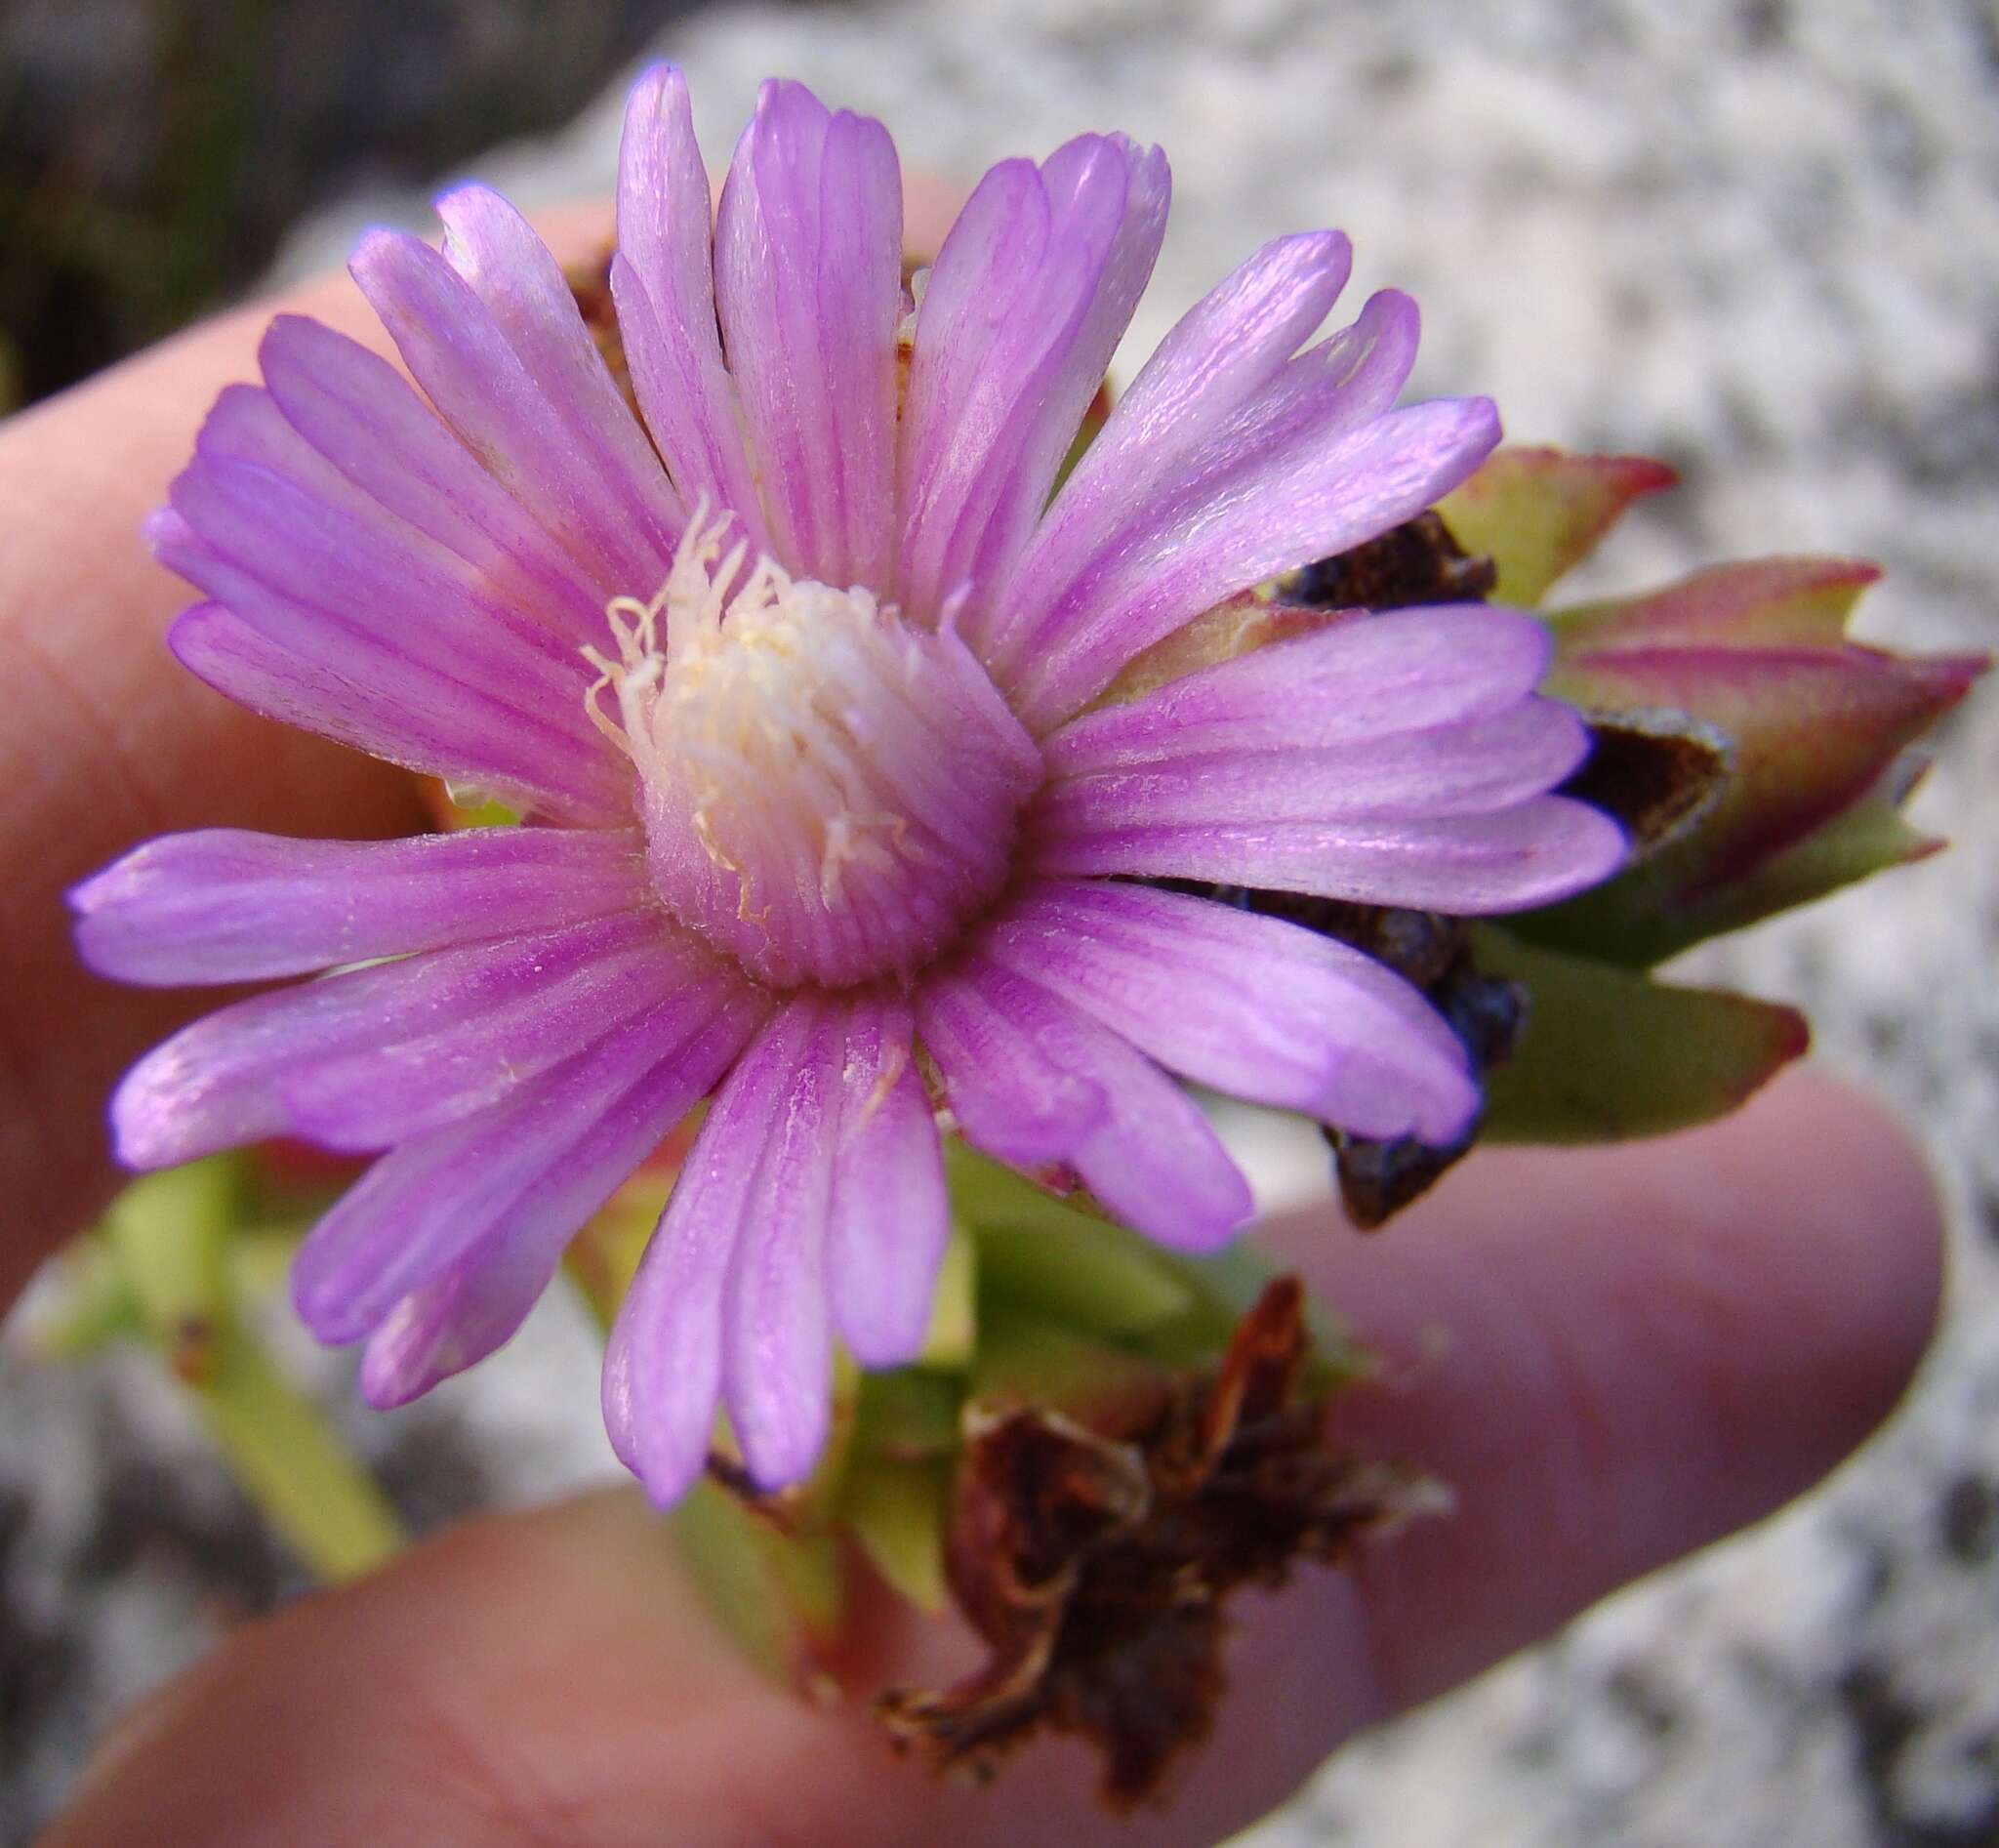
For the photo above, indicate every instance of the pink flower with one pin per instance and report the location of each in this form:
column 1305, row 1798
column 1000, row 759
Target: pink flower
column 832, row 822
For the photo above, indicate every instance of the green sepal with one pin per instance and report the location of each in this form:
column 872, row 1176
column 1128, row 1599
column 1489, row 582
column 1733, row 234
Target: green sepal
column 907, row 1415
column 898, row 1514
column 1609, row 1055
column 954, row 1331
column 1054, row 1264
column 1038, row 1253
column 1026, row 1359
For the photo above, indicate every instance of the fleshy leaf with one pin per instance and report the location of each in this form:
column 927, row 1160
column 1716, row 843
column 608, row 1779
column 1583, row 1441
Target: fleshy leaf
column 1869, row 837
column 1751, row 658
column 1539, row 512
column 1609, row 1055
column 1802, row 602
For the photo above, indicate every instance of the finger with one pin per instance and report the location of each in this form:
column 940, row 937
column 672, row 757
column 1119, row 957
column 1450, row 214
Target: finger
column 107, row 740
column 1647, row 1347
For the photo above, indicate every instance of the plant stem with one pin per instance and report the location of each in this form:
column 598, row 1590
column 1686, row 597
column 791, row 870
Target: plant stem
column 171, row 1234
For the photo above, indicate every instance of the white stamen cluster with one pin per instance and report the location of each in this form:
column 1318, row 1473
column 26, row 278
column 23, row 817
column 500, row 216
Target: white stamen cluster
column 828, row 791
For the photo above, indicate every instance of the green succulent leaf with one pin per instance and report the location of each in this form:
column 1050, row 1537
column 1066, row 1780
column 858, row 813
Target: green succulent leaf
column 1627, row 922
column 1609, row 1055
column 1539, row 512
column 1869, row 837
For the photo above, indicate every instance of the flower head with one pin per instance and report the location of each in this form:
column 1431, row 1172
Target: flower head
column 818, row 695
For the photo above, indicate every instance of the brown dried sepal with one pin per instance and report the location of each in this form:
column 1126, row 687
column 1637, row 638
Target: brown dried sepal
column 1094, row 1553
column 1657, row 774
column 590, row 284
column 1433, row 953
column 1378, row 1178
column 1414, row 564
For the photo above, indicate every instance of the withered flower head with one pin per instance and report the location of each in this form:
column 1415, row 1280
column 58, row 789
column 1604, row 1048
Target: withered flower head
column 1094, row 1550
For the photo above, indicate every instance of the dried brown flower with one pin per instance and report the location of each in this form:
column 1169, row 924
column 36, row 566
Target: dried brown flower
column 1094, row 1551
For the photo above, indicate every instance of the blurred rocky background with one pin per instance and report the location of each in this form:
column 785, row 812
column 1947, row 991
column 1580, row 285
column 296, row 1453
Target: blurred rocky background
column 1759, row 238
column 153, row 152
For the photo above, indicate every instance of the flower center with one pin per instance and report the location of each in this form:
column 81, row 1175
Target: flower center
column 829, row 793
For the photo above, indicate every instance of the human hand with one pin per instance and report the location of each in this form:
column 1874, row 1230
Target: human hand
column 1646, row 1347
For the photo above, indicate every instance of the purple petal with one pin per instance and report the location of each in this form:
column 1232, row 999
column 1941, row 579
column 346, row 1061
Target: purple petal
column 362, row 415
column 368, row 1058
column 1474, row 767
column 663, row 281
column 539, row 1165
column 1355, row 681
column 1396, row 759
column 889, row 1217
column 808, row 282
column 533, row 1010
column 1469, row 865
column 1247, row 510
column 462, row 1313
column 265, row 535
column 777, row 1333
column 224, row 905
column 1036, row 1084
column 458, row 1318
column 293, row 665
column 663, row 1367
column 389, row 441
column 503, row 355
column 1023, row 308
column 1260, row 1009
column 1220, row 357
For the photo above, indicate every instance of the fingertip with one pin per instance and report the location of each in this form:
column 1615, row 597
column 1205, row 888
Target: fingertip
column 930, row 207
column 1618, row 1355
column 1866, row 1276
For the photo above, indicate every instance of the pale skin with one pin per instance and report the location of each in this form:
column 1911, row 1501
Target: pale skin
column 1641, row 1348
